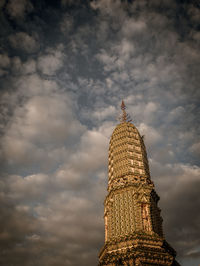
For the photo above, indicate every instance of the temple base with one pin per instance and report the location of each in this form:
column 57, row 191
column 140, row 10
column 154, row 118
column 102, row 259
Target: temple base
column 143, row 251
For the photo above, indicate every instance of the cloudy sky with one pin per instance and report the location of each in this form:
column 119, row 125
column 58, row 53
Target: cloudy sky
column 65, row 66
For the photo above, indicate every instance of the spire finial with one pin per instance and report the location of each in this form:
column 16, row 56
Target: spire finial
column 123, row 106
column 124, row 117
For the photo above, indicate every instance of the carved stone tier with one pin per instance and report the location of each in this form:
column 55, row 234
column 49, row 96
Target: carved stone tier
column 127, row 156
column 138, row 250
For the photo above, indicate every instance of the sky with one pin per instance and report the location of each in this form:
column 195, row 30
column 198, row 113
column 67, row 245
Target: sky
column 65, row 66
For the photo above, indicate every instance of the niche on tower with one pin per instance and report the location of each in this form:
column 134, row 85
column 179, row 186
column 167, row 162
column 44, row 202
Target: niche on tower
column 146, row 224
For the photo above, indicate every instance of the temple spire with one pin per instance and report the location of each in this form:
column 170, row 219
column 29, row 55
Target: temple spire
column 124, row 117
column 133, row 224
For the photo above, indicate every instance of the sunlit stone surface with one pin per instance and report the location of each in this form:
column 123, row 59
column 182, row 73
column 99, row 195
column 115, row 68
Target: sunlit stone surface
column 133, row 225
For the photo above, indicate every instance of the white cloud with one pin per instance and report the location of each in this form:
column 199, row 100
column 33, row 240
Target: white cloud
column 104, row 113
column 140, row 110
column 43, row 118
column 152, row 136
column 117, row 56
column 69, row 177
column 4, row 61
column 92, row 152
column 80, row 169
column 195, row 148
column 29, row 67
column 178, row 184
column 176, row 114
column 123, row 51
column 66, row 24
column 151, row 107
column 107, row 59
column 34, row 85
column 28, row 188
column 56, row 166
column 132, row 27
column 18, row 67
column 108, row 6
column 18, row 151
column 39, row 127
column 109, row 82
column 177, row 174
column 50, row 63
column 23, row 41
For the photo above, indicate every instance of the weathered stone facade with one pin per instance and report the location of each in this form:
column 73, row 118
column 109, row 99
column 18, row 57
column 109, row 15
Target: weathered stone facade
column 133, row 225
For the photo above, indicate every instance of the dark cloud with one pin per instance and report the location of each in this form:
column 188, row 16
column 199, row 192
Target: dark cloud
column 64, row 68
column 23, row 41
column 19, row 8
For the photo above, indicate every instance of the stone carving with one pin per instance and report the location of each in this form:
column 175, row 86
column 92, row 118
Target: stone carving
column 133, row 225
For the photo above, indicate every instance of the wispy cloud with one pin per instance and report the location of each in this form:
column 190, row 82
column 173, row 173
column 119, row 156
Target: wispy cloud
column 65, row 67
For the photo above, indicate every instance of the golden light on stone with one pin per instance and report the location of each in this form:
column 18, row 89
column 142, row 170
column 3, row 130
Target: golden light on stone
column 133, row 225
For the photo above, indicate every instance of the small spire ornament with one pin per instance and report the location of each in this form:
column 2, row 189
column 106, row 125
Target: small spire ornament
column 124, row 117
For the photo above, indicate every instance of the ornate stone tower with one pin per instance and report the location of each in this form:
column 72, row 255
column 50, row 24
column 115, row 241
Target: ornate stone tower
column 133, row 225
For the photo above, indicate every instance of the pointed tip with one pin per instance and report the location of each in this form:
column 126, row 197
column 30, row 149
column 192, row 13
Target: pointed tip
column 124, row 117
column 123, row 106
